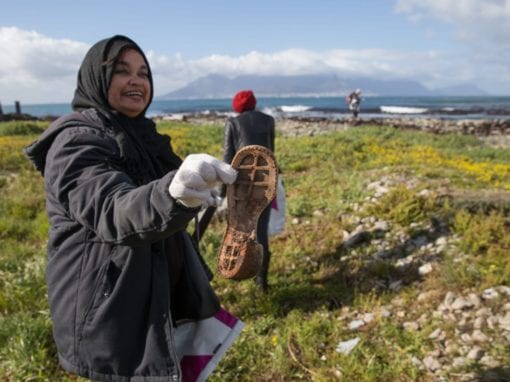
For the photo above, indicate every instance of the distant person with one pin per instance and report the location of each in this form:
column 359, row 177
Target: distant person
column 353, row 101
column 251, row 127
column 122, row 271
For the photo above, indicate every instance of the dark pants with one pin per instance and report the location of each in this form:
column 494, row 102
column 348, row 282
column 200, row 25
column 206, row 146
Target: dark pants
column 263, row 239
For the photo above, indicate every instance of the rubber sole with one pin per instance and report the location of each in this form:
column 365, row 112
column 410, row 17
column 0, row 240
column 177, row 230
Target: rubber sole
column 240, row 255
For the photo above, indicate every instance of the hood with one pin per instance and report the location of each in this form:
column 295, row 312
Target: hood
column 37, row 150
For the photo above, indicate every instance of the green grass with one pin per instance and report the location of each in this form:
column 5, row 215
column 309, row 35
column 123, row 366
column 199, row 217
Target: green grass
column 292, row 332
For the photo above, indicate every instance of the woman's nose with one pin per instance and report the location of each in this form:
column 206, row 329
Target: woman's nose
column 135, row 80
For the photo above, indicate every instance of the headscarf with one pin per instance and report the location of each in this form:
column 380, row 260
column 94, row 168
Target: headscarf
column 244, row 100
column 96, row 73
column 147, row 153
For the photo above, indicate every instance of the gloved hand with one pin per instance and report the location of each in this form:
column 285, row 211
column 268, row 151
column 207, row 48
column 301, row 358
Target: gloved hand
column 194, row 182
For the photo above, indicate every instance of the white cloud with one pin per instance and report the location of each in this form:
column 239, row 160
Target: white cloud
column 475, row 21
column 36, row 68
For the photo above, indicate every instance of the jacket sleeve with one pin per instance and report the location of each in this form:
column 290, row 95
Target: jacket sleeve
column 229, row 149
column 83, row 174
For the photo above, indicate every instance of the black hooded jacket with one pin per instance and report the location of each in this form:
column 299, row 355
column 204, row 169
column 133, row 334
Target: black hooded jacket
column 251, row 127
column 121, row 269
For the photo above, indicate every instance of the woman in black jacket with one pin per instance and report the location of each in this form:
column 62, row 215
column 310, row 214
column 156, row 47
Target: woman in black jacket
column 121, row 269
column 251, row 127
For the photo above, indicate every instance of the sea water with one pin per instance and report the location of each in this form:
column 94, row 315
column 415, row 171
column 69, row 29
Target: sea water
column 479, row 107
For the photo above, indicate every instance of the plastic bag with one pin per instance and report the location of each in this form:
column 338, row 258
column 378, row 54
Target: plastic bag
column 277, row 215
column 200, row 345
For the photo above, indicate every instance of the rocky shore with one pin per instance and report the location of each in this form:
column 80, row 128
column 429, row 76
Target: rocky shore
column 496, row 132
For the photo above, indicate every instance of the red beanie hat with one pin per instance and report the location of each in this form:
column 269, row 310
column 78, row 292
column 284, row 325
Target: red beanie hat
column 244, row 100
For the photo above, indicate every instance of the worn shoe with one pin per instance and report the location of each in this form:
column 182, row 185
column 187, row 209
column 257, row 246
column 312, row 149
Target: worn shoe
column 240, row 255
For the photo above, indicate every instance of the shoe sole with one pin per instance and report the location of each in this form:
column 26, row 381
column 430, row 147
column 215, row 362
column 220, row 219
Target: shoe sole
column 240, row 255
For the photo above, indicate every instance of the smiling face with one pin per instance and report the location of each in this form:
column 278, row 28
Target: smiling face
column 130, row 87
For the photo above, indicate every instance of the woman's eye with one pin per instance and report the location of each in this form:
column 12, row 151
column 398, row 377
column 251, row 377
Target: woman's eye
column 120, row 71
column 144, row 75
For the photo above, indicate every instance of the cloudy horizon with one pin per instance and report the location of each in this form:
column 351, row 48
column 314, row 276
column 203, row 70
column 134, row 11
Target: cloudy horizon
column 36, row 67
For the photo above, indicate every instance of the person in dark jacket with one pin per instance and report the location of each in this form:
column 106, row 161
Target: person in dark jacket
column 251, row 127
column 121, row 270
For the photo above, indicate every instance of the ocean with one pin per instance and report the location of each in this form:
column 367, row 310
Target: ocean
column 479, row 107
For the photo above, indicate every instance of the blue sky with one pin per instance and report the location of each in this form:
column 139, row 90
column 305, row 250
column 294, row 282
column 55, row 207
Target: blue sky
column 437, row 42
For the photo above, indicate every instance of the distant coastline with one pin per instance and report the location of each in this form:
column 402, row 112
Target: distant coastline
column 334, row 108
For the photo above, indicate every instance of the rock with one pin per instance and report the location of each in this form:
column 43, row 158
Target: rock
column 504, row 290
column 475, row 300
column 479, row 323
column 345, row 347
column 504, row 322
column 492, row 322
column 395, row 285
column 489, row 361
column 475, row 354
column 424, row 296
column 461, row 303
column 356, row 324
column 458, row 362
column 466, row 338
column 435, row 334
column 451, row 349
column 401, row 314
column 385, row 313
column 490, row 294
column 411, row 326
column 483, row 312
column 381, row 225
column 448, row 300
column 431, row 363
column 479, row 336
column 425, row 269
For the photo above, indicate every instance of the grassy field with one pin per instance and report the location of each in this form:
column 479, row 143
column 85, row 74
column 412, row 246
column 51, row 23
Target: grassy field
column 366, row 210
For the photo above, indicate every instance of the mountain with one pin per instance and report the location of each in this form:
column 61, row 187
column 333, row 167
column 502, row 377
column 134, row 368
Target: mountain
column 216, row 86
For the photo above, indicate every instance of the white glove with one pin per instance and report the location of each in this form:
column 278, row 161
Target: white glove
column 194, row 182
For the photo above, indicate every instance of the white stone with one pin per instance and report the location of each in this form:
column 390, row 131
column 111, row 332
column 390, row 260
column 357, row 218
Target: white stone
column 385, row 313
column 381, row 225
column 504, row 322
column 479, row 323
column 395, row 285
column 489, row 361
column 345, row 347
column 411, row 326
column 504, row 290
column 479, row 336
column 461, row 303
column 431, row 363
column 435, row 334
column 492, row 321
column 475, row 353
column 458, row 362
column 483, row 312
column 401, row 314
column 490, row 294
column 465, row 337
column 449, row 299
column 356, row 324
column 425, row 269
column 475, row 300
